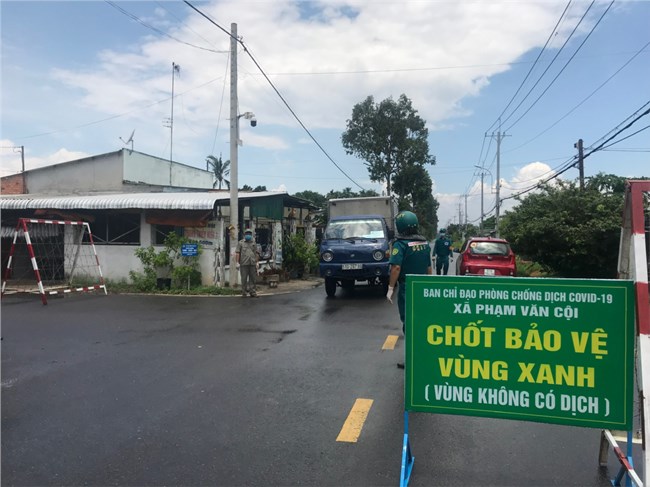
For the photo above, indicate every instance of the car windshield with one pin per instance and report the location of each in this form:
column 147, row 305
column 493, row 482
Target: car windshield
column 355, row 229
column 489, row 248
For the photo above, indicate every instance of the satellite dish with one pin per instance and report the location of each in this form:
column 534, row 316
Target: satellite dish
column 130, row 139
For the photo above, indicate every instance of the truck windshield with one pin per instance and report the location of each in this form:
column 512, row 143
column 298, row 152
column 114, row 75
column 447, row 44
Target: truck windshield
column 355, row 229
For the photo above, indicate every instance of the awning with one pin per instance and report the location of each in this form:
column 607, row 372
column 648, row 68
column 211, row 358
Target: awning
column 205, row 201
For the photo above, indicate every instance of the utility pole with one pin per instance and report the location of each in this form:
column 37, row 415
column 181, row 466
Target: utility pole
column 481, row 225
column 498, row 203
column 175, row 69
column 466, row 214
column 499, row 136
column 581, row 163
column 482, row 180
column 234, row 122
column 22, row 157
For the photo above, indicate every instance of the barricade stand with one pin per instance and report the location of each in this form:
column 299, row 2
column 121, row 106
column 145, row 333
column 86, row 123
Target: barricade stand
column 407, row 458
column 627, row 465
column 633, row 265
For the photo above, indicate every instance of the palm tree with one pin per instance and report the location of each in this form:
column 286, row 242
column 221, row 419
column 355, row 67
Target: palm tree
column 220, row 169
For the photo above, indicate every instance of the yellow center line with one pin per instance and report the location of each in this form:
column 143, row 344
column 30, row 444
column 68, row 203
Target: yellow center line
column 351, row 429
column 391, row 341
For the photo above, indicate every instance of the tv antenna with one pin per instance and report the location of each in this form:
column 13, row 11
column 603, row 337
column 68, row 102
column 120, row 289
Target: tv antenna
column 129, row 141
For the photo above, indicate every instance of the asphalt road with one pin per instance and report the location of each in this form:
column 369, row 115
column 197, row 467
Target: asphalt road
column 152, row 390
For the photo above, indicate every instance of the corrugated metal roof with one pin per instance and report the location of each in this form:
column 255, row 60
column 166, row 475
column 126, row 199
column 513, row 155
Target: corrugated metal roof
column 158, row 201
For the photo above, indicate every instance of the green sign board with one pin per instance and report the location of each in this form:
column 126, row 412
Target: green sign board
column 547, row 350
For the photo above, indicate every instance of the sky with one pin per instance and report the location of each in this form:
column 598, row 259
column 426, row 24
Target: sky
column 79, row 77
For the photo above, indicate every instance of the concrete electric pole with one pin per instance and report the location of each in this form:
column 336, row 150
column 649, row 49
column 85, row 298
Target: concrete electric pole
column 234, row 121
column 499, row 136
column 581, row 163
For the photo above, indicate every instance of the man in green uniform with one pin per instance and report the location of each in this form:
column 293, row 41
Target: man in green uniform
column 248, row 263
column 442, row 249
column 411, row 254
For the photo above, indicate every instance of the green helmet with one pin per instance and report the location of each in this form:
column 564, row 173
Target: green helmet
column 443, row 230
column 406, row 223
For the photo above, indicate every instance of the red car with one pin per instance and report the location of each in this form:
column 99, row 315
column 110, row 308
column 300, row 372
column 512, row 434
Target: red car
column 486, row 256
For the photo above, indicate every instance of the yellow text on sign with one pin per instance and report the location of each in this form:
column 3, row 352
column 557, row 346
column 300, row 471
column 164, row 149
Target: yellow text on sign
column 351, row 429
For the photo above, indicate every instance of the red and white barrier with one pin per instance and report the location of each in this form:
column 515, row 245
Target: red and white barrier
column 23, row 228
column 633, row 265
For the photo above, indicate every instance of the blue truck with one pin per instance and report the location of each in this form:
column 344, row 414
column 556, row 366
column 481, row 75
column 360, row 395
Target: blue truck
column 356, row 242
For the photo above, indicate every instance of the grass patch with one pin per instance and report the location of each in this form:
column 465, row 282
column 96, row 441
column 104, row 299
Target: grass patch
column 123, row 287
column 528, row 268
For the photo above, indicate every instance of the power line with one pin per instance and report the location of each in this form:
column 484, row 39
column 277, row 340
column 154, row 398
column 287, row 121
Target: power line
column 184, row 24
column 124, row 114
column 575, row 28
column 158, row 31
column 482, row 164
column 548, row 40
column 247, row 51
column 584, row 99
column 602, row 145
column 571, row 162
column 223, row 91
column 626, row 150
column 563, row 67
column 624, row 121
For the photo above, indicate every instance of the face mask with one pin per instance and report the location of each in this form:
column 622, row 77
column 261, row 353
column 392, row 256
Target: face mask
column 248, row 238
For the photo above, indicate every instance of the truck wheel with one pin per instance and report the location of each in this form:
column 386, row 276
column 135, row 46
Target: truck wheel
column 330, row 286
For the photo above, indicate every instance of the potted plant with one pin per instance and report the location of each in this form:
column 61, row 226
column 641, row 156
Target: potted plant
column 298, row 257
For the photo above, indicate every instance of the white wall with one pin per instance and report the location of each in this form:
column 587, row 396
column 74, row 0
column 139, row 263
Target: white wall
column 107, row 173
column 143, row 168
column 117, row 260
column 101, row 173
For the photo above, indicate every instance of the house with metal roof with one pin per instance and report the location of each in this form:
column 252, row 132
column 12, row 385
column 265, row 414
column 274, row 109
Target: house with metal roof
column 133, row 200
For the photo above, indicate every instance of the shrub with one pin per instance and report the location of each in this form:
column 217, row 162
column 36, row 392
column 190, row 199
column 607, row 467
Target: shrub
column 297, row 255
column 168, row 263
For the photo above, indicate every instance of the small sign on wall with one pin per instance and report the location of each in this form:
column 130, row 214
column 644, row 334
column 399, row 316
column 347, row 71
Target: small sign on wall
column 190, row 250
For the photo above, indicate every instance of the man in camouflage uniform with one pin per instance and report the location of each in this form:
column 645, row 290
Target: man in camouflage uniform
column 411, row 254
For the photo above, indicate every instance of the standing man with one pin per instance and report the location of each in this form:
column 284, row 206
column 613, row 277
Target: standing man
column 442, row 249
column 411, row 254
column 248, row 263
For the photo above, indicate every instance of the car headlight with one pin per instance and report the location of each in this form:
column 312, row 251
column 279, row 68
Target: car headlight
column 327, row 256
column 378, row 255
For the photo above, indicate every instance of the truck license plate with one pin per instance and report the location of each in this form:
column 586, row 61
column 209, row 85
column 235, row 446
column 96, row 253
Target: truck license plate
column 349, row 267
column 488, row 272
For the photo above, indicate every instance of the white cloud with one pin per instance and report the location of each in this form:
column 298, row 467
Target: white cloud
column 437, row 53
column 452, row 206
column 322, row 56
column 282, row 187
column 11, row 163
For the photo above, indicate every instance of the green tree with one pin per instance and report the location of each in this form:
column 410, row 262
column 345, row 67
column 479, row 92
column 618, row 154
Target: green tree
column 220, row 170
column 571, row 233
column 348, row 193
column 389, row 136
column 415, row 188
column 316, row 198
